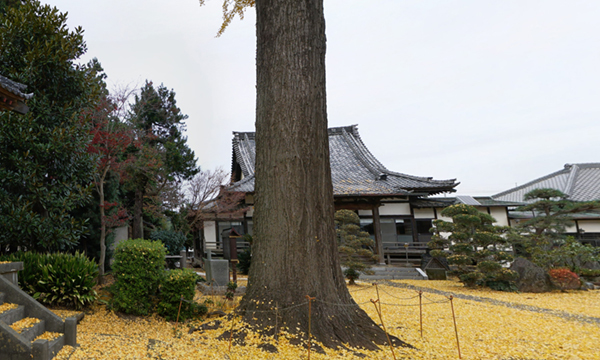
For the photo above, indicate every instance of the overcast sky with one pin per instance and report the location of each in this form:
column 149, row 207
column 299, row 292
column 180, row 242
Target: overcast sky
column 492, row 93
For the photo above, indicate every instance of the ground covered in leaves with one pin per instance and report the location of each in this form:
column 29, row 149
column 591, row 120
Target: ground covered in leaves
column 490, row 325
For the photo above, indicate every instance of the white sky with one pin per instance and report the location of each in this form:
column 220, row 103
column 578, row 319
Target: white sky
column 493, row 93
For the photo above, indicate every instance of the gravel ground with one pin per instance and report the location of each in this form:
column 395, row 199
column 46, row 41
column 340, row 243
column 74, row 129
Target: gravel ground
column 562, row 314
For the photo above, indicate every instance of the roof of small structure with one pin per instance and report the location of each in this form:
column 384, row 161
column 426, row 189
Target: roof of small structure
column 14, row 87
column 12, row 95
column 354, row 170
column 580, row 182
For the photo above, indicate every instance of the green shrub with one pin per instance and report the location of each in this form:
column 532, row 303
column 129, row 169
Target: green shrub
column 244, row 261
column 57, row 279
column 471, row 279
column 589, row 272
column 175, row 285
column 508, row 286
column 173, row 240
column 138, row 269
column 230, row 293
column 351, row 274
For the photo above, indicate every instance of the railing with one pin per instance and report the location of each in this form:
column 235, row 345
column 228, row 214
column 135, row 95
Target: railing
column 408, row 252
column 418, row 247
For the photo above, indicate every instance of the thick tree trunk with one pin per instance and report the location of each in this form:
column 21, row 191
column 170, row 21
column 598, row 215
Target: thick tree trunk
column 137, row 231
column 294, row 251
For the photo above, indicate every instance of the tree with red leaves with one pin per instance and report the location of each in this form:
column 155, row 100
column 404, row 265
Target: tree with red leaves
column 111, row 137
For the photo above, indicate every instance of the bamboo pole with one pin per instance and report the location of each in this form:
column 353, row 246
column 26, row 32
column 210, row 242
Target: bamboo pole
column 455, row 328
column 178, row 311
column 383, row 325
column 421, row 311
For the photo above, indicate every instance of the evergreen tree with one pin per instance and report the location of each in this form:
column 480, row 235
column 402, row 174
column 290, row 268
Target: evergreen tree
column 45, row 171
column 6, row 4
column 476, row 246
column 542, row 238
column 162, row 155
column 354, row 245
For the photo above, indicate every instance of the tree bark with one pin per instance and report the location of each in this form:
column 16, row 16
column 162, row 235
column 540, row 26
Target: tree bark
column 294, row 250
column 102, row 232
column 137, row 227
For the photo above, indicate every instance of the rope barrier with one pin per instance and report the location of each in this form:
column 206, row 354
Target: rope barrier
column 399, row 298
column 367, row 288
column 277, row 311
column 340, row 304
column 435, row 301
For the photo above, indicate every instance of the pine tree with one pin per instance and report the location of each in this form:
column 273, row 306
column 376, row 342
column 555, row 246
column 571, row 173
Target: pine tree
column 354, row 245
column 477, row 248
column 542, row 237
column 162, row 155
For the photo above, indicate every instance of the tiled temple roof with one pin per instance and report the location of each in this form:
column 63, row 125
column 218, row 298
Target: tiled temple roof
column 354, row 170
column 580, row 182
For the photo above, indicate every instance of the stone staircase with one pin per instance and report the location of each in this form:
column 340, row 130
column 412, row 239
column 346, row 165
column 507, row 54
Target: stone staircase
column 24, row 320
column 394, row 273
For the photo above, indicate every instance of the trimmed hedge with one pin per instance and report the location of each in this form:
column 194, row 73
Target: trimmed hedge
column 138, row 270
column 57, row 279
column 176, row 284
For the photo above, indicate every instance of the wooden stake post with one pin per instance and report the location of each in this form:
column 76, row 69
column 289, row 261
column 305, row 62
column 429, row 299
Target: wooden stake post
column 310, row 300
column 455, row 328
column 378, row 309
column 421, row 311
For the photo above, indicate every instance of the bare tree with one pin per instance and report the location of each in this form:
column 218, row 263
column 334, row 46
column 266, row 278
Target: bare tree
column 206, row 198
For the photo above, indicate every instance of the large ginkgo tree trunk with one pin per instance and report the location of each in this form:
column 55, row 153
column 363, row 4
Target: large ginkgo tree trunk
column 295, row 251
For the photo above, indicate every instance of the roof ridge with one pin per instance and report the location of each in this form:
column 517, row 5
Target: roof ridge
column 570, row 185
column 351, row 141
column 585, row 165
column 381, row 168
column 545, row 177
column 240, row 153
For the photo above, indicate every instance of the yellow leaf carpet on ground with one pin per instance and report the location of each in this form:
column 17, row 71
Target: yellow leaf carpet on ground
column 486, row 330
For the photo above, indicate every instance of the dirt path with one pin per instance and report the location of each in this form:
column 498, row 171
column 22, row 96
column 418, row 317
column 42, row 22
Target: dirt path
column 561, row 314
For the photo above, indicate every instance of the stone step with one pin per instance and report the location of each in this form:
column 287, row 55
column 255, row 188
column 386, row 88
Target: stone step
column 10, row 316
column 54, row 345
column 391, row 277
column 392, row 273
column 34, row 331
column 393, row 270
column 1, row 298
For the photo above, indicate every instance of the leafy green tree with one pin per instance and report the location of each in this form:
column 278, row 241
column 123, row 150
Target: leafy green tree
column 162, row 155
column 542, row 238
column 6, row 4
column 354, row 244
column 476, row 246
column 45, row 170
